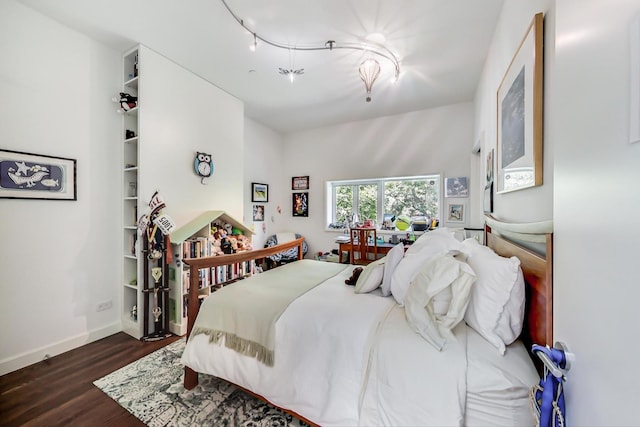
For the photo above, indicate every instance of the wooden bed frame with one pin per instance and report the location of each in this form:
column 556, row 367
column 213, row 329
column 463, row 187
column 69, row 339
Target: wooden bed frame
column 537, row 270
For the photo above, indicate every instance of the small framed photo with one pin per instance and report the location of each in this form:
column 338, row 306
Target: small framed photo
column 258, row 212
column 36, row 176
column 300, row 183
column 455, row 212
column 300, row 204
column 259, row 192
column 456, row 187
column 488, row 198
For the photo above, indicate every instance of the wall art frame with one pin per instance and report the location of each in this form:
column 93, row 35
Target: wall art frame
column 300, row 183
column 456, row 187
column 456, row 212
column 519, row 113
column 300, row 204
column 37, row 176
column 259, row 192
column 258, row 213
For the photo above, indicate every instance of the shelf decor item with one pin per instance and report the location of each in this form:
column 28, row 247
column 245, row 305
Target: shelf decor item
column 259, row 192
column 36, row 176
column 519, row 127
column 300, row 183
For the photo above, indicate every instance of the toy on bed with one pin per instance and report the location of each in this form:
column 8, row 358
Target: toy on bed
column 351, row 281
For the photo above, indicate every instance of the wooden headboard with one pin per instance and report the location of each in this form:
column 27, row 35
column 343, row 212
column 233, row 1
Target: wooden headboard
column 537, row 270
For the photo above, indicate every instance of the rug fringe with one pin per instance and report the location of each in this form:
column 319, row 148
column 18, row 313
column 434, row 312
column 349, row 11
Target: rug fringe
column 238, row 344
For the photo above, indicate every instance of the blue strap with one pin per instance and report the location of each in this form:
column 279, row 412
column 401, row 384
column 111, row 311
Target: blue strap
column 551, row 390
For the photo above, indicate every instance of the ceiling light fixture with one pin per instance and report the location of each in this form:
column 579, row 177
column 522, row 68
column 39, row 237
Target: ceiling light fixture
column 369, row 71
column 291, row 73
column 368, row 66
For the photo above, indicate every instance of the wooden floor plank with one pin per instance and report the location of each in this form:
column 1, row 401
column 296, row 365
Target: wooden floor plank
column 60, row 391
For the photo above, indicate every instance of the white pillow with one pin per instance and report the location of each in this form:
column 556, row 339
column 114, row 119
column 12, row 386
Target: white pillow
column 496, row 309
column 430, row 244
column 371, row 277
column 440, row 273
column 285, row 237
column 394, row 256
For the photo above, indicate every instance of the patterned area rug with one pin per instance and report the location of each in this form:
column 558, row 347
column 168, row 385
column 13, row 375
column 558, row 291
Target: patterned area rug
column 151, row 389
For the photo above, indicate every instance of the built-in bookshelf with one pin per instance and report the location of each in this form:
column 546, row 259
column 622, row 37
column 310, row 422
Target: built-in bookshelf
column 130, row 172
column 195, row 239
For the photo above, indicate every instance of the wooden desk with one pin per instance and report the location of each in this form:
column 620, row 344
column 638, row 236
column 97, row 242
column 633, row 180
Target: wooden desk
column 383, row 248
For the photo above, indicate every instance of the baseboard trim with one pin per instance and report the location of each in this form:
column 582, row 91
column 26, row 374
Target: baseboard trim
column 20, row 361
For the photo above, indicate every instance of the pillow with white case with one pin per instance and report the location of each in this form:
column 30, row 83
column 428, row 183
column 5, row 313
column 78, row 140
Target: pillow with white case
column 430, row 244
column 439, row 274
column 496, row 309
column 393, row 258
column 371, row 277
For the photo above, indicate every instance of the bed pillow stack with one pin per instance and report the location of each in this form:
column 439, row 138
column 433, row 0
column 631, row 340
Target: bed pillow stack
column 428, row 246
column 496, row 308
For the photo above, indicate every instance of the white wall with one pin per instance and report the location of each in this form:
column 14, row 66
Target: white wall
column 181, row 114
column 596, row 211
column 57, row 257
column 532, row 204
column 263, row 160
column 422, row 142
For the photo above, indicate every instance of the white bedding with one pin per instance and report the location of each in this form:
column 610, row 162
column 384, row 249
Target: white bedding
column 330, row 368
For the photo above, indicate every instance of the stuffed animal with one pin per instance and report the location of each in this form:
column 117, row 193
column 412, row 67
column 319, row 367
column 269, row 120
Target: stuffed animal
column 351, row 281
column 126, row 101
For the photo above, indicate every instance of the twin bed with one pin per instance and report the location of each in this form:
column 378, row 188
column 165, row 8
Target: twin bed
column 427, row 337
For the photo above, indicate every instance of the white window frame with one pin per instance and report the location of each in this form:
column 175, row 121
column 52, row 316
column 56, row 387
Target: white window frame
column 330, row 216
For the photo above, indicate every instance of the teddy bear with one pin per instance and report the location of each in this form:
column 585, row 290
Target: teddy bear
column 351, row 281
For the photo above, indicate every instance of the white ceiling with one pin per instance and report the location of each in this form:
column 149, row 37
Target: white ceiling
column 441, row 46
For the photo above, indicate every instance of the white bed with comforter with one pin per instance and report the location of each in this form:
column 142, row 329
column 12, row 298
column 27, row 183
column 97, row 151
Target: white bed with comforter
column 345, row 356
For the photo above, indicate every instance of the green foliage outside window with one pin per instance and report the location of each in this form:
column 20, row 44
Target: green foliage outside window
column 413, row 196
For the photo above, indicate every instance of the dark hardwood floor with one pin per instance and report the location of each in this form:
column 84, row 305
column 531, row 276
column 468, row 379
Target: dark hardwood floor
column 60, row 391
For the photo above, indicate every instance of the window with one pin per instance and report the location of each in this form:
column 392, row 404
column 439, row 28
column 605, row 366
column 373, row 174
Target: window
column 373, row 198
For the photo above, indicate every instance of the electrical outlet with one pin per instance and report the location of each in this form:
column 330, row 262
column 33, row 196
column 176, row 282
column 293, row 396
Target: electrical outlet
column 104, row 306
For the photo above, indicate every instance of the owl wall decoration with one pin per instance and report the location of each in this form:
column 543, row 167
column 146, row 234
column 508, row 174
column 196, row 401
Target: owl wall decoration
column 203, row 165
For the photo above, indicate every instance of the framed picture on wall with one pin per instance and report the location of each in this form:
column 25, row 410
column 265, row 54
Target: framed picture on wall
column 36, row 176
column 300, row 183
column 519, row 128
column 259, row 192
column 456, row 187
column 488, row 198
column 300, row 204
column 258, row 212
column 455, row 212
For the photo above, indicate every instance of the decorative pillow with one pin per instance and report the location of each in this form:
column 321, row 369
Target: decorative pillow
column 430, row 244
column 371, row 277
column 496, row 309
column 394, row 256
column 285, row 237
column 438, row 274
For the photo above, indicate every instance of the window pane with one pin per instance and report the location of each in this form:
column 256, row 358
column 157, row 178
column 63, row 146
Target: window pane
column 367, row 201
column 344, row 203
column 411, row 197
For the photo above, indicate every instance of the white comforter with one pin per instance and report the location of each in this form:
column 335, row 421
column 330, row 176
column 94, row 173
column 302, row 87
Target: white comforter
column 320, row 349
column 346, row 359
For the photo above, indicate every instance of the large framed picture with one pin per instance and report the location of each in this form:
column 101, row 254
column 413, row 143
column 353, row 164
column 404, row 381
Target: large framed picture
column 36, row 176
column 300, row 204
column 300, row 183
column 519, row 127
column 259, row 192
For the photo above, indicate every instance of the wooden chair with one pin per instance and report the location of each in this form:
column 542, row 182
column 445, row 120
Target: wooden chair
column 363, row 242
